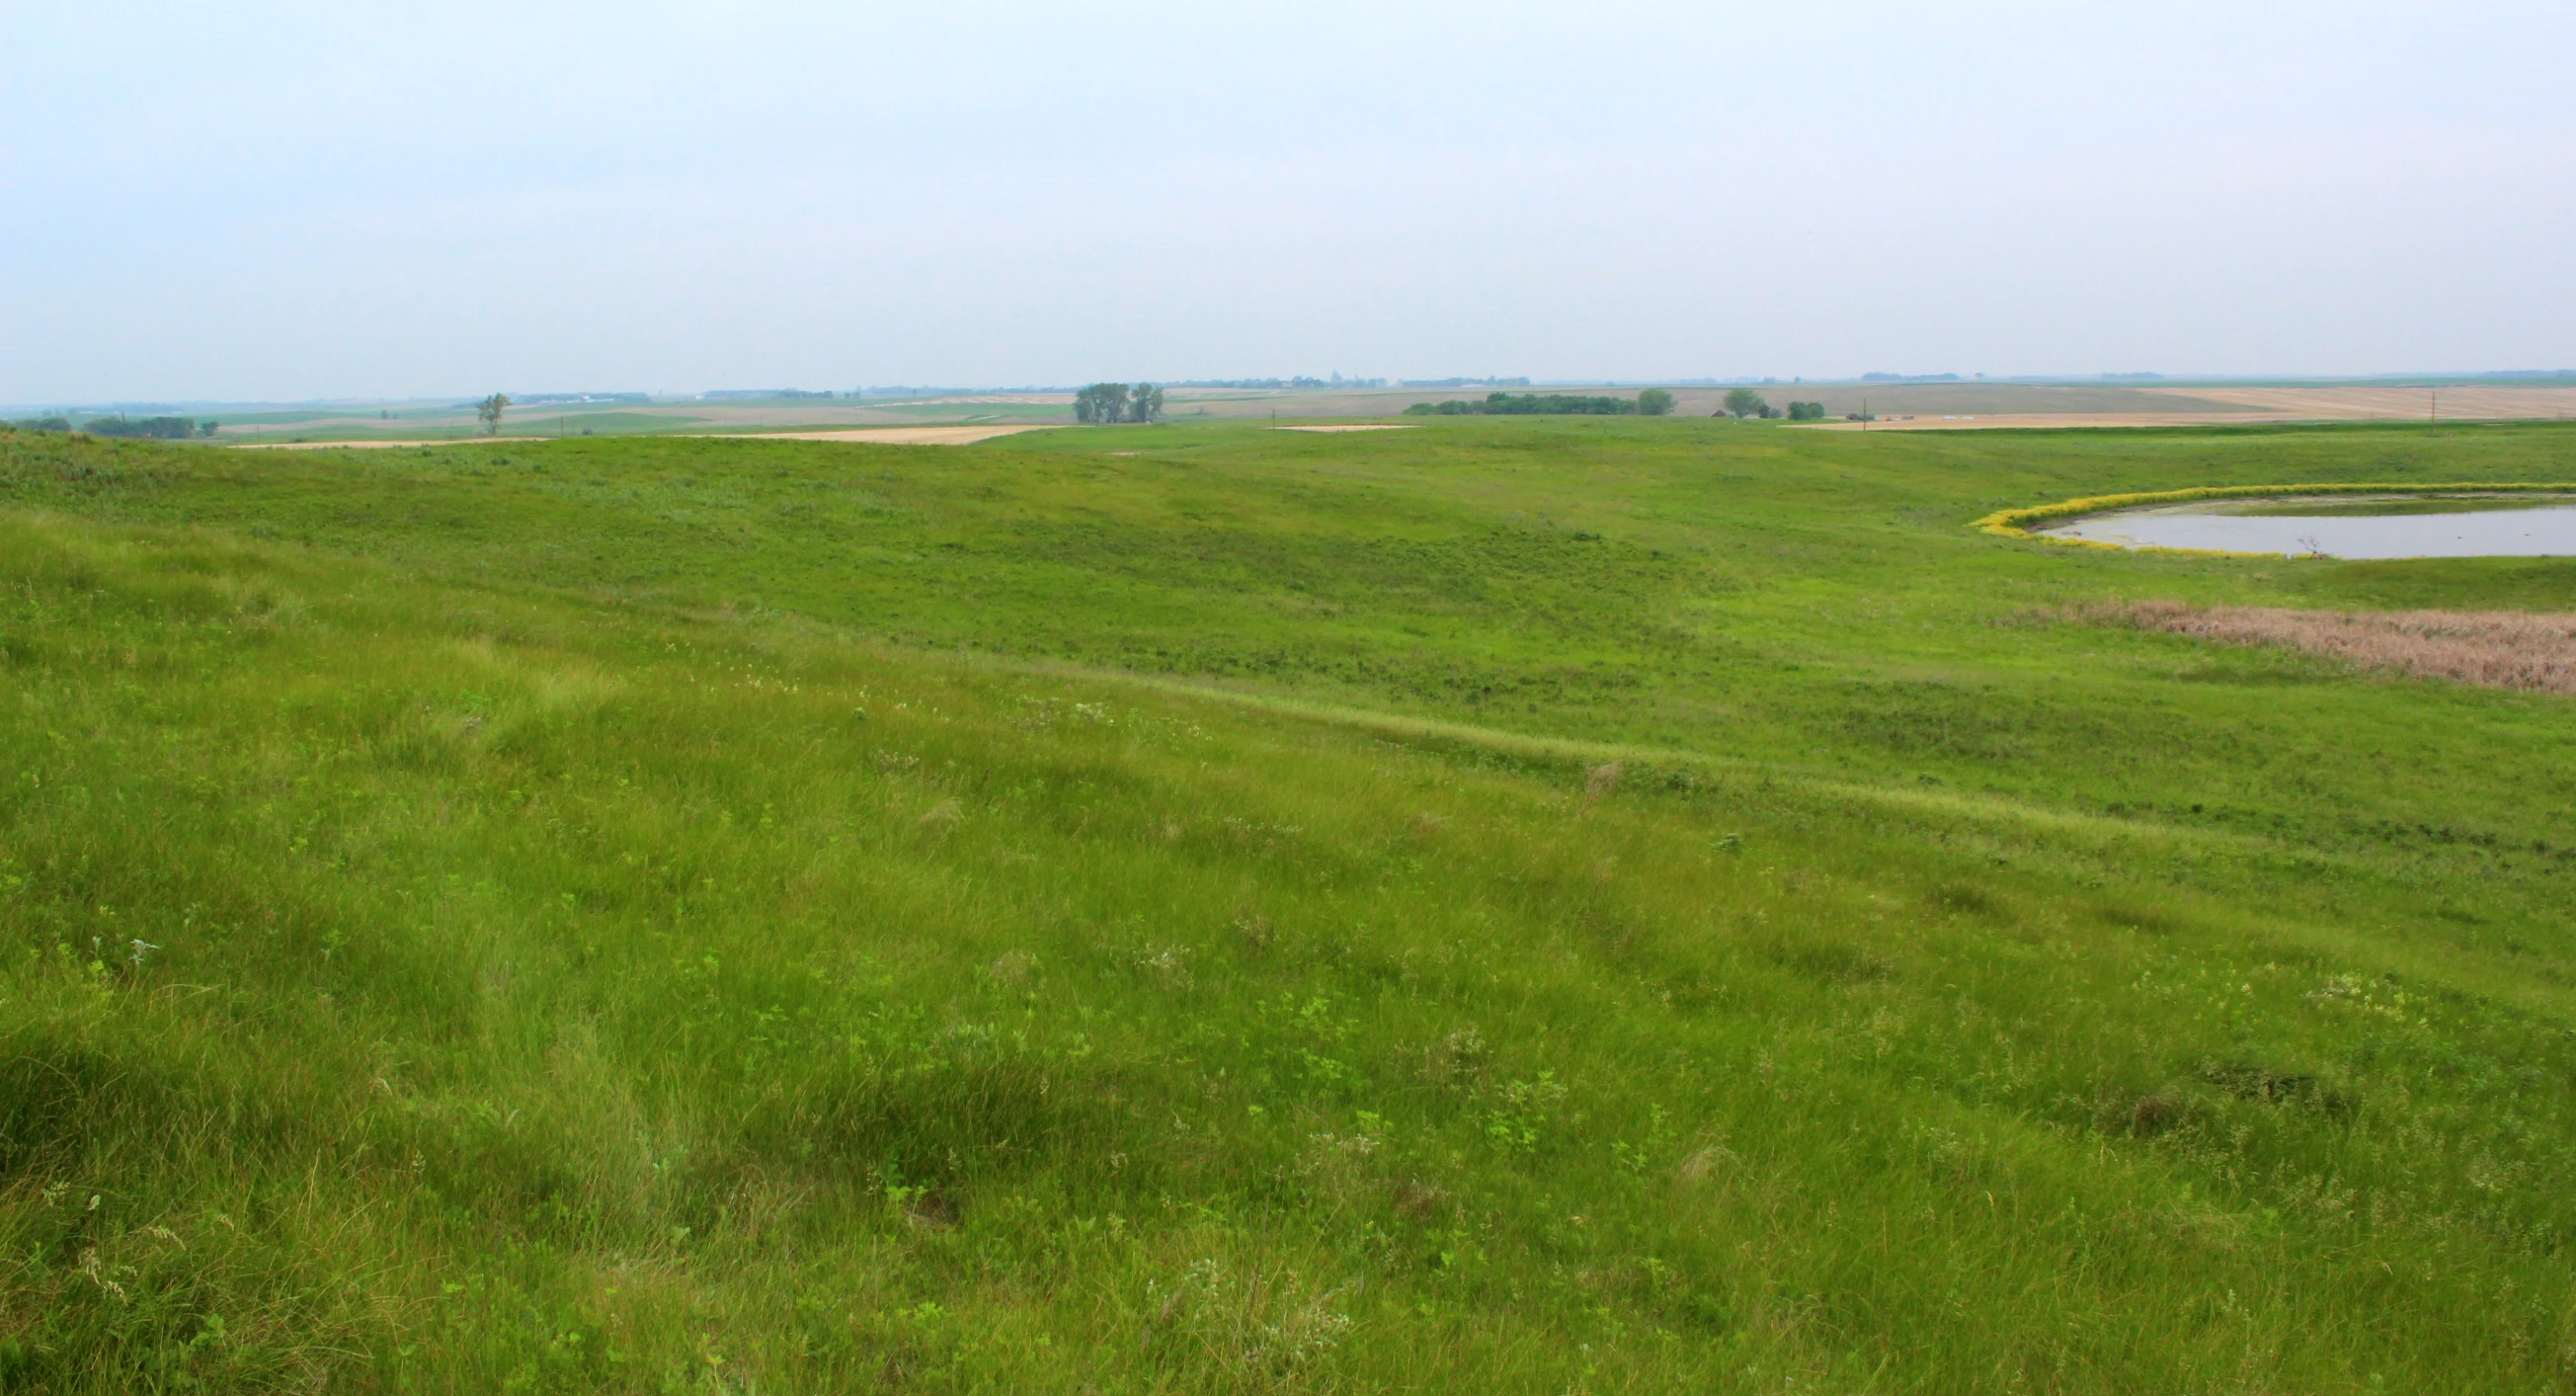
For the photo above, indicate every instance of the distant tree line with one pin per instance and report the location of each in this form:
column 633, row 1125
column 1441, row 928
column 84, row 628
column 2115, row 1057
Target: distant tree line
column 1653, row 402
column 1744, row 402
column 135, row 428
column 1106, row 404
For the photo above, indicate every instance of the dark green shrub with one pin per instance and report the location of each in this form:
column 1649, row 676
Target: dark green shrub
column 151, row 428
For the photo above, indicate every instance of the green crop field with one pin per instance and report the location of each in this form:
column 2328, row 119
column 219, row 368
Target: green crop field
column 1513, row 905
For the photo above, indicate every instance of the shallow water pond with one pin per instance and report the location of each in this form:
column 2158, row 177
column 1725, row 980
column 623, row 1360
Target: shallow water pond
column 2345, row 526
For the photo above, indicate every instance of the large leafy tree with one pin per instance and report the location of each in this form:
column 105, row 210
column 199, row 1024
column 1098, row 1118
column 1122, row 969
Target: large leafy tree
column 489, row 410
column 1744, row 402
column 1101, row 404
column 1145, row 404
column 1654, row 402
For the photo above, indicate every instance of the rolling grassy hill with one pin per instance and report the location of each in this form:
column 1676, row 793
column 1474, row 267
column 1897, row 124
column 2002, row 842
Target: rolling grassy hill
column 1544, row 905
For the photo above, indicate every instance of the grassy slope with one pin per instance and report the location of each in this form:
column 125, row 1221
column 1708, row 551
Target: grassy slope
column 608, row 934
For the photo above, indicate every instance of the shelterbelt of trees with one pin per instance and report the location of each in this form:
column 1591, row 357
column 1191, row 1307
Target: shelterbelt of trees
column 132, row 428
column 1109, row 404
column 1653, row 402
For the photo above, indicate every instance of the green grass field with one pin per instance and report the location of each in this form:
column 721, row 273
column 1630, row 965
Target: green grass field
column 1512, row 905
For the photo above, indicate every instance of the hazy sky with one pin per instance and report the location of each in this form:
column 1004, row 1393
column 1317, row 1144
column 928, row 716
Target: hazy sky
column 291, row 200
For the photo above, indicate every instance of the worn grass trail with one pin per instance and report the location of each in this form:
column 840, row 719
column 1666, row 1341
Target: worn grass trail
column 433, row 964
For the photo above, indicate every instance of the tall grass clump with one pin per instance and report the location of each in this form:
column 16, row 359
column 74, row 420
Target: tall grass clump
column 2496, row 649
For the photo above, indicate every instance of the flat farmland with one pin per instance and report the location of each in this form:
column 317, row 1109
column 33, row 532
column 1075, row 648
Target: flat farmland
column 2395, row 404
column 1947, row 406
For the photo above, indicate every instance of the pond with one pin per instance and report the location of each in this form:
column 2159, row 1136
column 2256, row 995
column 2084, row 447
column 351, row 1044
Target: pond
column 2345, row 526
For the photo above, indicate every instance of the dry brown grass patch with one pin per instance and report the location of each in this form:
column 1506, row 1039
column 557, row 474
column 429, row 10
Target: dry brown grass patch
column 2493, row 649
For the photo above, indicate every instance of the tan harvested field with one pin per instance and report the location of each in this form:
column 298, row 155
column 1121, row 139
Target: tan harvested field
column 2493, row 649
column 1187, row 404
column 1922, row 400
column 715, row 418
column 2183, row 406
column 1995, row 420
column 987, row 399
column 2403, row 404
column 1961, row 406
column 1947, row 406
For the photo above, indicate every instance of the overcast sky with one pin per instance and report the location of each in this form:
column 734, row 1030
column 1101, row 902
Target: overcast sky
column 293, row 200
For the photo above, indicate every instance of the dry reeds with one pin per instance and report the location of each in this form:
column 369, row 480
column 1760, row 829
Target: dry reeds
column 2494, row 649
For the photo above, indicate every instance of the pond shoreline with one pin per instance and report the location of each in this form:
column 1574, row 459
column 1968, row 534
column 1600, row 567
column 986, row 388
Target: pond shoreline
column 2026, row 523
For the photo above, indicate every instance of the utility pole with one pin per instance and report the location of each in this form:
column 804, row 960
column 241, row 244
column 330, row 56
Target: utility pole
column 2435, row 416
